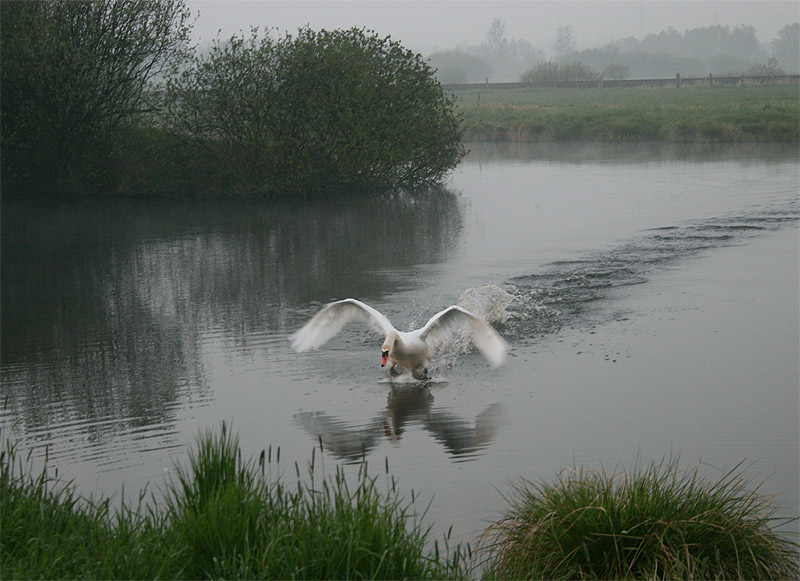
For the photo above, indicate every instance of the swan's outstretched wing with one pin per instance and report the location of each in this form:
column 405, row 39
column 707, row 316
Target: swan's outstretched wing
column 332, row 318
column 453, row 318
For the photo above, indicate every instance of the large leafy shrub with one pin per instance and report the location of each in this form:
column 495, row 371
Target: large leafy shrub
column 317, row 112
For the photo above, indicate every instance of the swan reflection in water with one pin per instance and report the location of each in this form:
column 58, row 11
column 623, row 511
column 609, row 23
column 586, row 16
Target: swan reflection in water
column 406, row 406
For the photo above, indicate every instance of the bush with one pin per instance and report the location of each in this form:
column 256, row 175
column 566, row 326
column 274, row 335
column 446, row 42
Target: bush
column 660, row 523
column 317, row 112
column 616, row 72
column 767, row 69
column 73, row 73
column 456, row 66
column 555, row 72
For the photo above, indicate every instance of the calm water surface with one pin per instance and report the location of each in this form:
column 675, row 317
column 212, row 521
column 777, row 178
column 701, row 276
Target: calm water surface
column 649, row 293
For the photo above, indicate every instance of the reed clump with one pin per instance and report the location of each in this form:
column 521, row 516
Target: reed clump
column 655, row 523
column 222, row 517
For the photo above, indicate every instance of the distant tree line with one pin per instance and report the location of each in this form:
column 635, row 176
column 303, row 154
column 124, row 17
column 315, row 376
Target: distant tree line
column 497, row 58
column 105, row 97
column 720, row 50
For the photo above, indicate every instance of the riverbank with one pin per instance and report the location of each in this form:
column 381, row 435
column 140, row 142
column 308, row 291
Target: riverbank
column 688, row 115
column 224, row 518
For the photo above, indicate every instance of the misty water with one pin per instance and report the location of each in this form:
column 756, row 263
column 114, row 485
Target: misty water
column 649, row 294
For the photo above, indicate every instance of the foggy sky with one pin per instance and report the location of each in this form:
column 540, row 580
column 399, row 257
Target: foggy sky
column 428, row 25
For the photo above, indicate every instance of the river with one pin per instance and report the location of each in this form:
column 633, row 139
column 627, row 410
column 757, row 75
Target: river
column 649, row 294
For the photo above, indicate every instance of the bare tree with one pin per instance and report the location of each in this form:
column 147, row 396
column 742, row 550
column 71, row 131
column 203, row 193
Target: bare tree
column 496, row 37
column 786, row 47
column 565, row 43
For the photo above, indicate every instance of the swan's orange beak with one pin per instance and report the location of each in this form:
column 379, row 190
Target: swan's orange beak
column 384, row 357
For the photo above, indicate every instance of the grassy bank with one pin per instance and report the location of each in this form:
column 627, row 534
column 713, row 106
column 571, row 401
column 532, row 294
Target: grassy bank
column 692, row 114
column 223, row 517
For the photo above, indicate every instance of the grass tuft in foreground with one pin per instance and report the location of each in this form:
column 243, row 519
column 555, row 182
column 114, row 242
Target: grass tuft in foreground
column 48, row 532
column 655, row 523
column 222, row 518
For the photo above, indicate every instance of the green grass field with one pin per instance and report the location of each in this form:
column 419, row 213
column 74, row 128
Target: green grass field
column 690, row 114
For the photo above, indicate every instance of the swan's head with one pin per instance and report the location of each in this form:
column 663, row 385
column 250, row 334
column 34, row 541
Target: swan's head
column 386, row 348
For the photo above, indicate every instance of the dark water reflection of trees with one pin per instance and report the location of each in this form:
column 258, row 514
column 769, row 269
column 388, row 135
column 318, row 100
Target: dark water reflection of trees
column 105, row 306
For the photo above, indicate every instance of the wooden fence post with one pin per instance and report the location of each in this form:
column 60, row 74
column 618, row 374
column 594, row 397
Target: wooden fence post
column 678, row 80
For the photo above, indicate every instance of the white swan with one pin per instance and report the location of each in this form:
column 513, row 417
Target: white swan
column 409, row 350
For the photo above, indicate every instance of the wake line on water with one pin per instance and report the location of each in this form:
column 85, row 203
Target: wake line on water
column 574, row 291
column 577, row 292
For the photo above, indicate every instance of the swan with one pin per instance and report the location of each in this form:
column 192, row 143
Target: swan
column 410, row 350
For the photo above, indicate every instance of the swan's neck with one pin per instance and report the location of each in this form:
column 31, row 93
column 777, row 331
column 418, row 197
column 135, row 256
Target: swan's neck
column 393, row 341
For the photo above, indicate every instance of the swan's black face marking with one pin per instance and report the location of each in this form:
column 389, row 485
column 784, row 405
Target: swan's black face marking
column 384, row 357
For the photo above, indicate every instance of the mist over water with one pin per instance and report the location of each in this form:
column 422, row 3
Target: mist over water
column 649, row 295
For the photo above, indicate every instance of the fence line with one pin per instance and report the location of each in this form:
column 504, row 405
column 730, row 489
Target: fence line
column 677, row 82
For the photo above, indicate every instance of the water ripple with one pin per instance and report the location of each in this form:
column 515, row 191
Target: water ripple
column 546, row 300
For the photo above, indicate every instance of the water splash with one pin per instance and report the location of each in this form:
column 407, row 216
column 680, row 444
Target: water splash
column 492, row 303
